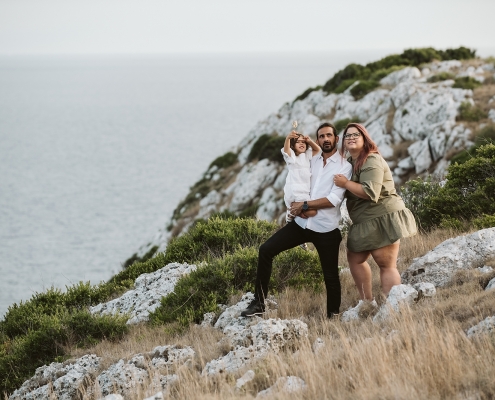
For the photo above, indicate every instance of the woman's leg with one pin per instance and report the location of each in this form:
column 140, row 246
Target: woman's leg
column 386, row 258
column 361, row 273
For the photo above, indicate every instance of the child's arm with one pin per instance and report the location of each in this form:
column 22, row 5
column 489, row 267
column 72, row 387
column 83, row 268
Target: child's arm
column 290, row 136
column 316, row 149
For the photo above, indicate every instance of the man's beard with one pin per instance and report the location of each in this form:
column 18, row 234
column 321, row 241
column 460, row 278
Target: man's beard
column 329, row 148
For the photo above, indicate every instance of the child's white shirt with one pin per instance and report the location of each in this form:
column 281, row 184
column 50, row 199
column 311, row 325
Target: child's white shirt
column 298, row 182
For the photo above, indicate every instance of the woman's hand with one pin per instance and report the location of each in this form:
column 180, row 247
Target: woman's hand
column 340, row 180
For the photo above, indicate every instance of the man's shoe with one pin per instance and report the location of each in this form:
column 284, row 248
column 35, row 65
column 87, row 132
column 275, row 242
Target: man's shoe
column 333, row 316
column 256, row 307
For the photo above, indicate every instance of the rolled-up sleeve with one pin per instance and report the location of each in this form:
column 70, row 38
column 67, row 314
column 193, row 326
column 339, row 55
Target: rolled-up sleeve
column 371, row 178
column 336, row 195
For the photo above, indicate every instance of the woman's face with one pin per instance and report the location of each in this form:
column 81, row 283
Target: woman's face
column 353, row 139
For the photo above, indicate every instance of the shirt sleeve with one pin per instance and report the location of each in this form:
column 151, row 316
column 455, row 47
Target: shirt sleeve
column 289, row 158
column 309, row 153
column 336, row 195
column 371, row 177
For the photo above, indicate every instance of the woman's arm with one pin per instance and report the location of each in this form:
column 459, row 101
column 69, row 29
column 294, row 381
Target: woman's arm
column 354, row 187
column 316, row 149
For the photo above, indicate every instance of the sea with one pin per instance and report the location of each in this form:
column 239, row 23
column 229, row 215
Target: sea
column 96, row 151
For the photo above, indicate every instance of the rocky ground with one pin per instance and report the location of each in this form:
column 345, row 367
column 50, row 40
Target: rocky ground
column 251, row 340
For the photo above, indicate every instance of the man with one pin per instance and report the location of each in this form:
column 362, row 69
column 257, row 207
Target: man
column 322, row 229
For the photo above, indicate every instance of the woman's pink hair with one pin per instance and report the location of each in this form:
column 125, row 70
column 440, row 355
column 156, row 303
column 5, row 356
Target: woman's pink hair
column 368, row 148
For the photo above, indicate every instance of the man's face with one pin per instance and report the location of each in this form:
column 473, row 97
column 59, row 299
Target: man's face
column 327, row 140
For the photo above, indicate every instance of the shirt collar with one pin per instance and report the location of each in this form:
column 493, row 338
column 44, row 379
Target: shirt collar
column 334, row 157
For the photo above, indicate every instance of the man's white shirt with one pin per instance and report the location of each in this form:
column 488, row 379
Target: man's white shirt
column 322, row 185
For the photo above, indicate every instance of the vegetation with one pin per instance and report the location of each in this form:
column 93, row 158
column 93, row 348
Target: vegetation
column 468, row 112
column 224, row 161
column 267, row 146
column 442, row 76
column 467, row 198
column 483, row 136
column 466, row 82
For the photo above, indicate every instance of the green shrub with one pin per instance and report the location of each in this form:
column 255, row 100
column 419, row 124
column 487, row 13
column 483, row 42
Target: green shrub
column 216, row 237
column 468, row 112
column 342, row 123
column 417, row 194
column 484, row 136
column 212, row 284
column 466, row 82
column 442, row 76
column 134, row 258
column 351, row 72
column 461, row 53
column 224, row 161
column 485, row 221
column 267, row 146
column 383, row 72
column 344, row 85
column 363, row 88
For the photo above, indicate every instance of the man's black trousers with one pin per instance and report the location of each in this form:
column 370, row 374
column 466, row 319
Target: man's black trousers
column 292, row 235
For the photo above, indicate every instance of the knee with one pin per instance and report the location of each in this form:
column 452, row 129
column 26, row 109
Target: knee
column 265, row 251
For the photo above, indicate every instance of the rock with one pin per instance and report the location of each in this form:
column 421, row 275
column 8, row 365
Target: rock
column 403, row 75
column 113, row 396
column 463, row 252
column 425, row 289
column 247, row 377
column 485, row 269
column 266, row 336
column 491, row 285
column 147, row 293
column 491, row 114
column 208, row 319
column 156, row 396
column 353, row 312
column 62, row 381
column 318, row 345
column 270, row 205
column 420, row 155
column 289, row 384
column 398, row 296
column 484, row 327
column 209, row 204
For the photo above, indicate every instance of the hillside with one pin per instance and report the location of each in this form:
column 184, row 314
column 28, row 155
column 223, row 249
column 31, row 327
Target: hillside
column 421, row 108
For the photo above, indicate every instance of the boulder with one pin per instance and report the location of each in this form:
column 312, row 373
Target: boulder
column 59, row 380
column 399, row 296
column 147, row 293
column 484, row 327
column 491, row 285
column 353, row 313
column 425, row 289
column 285, row 384
column 463, row 252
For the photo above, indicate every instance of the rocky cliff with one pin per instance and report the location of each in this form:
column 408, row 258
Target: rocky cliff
column 419, row 116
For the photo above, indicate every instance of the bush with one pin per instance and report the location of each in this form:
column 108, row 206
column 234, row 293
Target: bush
column 383, row 72
column 344, row 85
column 442, row 76
column 466, row 82
column 484, row 136
column 363, row 88
column 134, row 258
column 217, row 237
column 212, row 284
column 485, row 221
column 267, row 146
column 306, row 93
column 342, row 123
column 224, row 161
column 468, row 112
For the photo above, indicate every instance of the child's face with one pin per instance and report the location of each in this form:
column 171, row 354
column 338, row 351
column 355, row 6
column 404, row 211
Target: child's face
column 300, row 146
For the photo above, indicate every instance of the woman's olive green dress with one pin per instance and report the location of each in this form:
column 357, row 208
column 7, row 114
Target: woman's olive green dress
column 384, row 218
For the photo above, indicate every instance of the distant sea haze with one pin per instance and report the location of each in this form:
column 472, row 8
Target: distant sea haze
column 96, row 152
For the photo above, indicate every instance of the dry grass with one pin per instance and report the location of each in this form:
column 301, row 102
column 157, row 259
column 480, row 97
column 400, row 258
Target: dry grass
column 421, row 353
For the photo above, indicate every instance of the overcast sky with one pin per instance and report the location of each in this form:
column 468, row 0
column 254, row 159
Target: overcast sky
column 190, row 26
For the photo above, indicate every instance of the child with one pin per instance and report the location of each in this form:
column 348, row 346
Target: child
column 297, row 154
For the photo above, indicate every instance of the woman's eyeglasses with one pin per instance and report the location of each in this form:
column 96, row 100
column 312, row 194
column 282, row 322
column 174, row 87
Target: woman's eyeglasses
column 351, row 136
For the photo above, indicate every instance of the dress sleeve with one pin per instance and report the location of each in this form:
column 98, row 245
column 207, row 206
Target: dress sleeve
column 289, row 158
column 371, row 177
column 309, row 153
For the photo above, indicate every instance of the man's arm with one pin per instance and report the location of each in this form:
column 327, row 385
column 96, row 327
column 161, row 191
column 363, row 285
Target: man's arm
column 318, row 204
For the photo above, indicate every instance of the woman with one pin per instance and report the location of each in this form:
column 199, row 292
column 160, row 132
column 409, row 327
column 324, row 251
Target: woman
column 380, row 218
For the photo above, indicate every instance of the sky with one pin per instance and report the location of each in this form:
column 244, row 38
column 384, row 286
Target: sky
column 227, row 26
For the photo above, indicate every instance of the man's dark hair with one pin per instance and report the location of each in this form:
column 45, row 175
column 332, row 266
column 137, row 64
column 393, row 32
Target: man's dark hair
column 326, row 125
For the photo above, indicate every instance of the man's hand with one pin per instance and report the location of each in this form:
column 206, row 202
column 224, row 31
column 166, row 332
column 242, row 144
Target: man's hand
column 296, row 208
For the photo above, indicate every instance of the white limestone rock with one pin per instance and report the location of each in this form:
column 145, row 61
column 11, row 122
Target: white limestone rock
column 121, row 378
column 463, row 252
column 62, row 381
column 208, row 319
column 425, row 289
column 353, row 313
column 485, row 269
column 249, row 182
column 113, row 396
column 325, row 107
column 266, row 336
column 270, row 205
column 491, row 285
column 156, row 396
column 399, row 295
column 407, row 74
column 285, row 384
column 147, row 293
column 209, row 204
column 244, row 379
column 491, row 114
column 318, row 346
column 484, row 327
column 420, row 155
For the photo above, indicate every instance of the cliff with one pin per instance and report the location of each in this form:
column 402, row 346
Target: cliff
column 420, row 117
